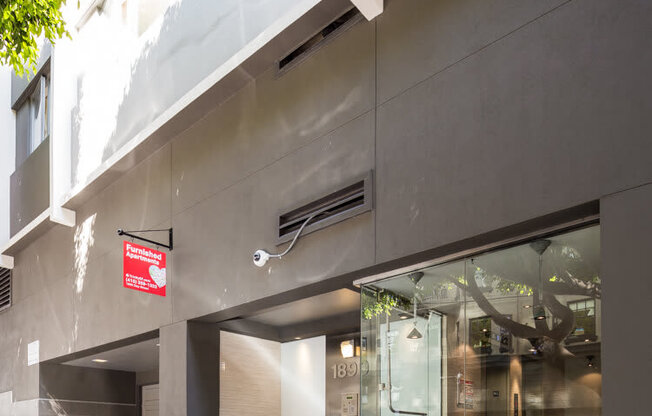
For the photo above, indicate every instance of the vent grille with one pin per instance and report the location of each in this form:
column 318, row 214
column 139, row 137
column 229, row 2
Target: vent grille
column 334, row 28
column 5, row 288
column 348, row 201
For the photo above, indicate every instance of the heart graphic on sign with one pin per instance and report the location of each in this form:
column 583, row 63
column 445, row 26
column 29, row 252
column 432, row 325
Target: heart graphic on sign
column 157, row 275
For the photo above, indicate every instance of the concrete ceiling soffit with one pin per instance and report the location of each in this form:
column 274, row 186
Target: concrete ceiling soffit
column 369, row 8
column 6, row 262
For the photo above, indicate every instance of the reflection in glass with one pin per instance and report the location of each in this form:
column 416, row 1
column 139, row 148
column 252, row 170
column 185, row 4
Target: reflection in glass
column 514, row 331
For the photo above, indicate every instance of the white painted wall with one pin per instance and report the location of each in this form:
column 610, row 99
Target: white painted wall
column 7, row 149
column 5, row 403
column 303, row 377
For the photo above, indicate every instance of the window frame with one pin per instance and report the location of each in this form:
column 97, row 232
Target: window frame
column 35, row 103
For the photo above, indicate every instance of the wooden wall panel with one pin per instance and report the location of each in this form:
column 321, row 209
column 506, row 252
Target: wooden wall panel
column 250, row 376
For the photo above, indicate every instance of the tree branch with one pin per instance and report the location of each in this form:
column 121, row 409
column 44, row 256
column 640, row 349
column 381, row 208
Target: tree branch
column 567, row 324
column 515, row 328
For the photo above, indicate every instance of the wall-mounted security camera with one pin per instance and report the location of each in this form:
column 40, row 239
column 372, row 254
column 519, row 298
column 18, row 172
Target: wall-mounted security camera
column 260, row 256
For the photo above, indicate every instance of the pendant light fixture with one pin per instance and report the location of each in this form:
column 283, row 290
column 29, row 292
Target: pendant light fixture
column 415, row 277
column 415, row 334
column 540, row 246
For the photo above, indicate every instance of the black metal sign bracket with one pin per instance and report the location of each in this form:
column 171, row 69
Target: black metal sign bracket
column 147, row 240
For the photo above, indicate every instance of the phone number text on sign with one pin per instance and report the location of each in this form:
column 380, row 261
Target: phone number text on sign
column 143, row 269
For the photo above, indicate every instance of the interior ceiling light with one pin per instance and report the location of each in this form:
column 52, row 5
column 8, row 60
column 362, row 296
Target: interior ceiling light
column 261, row 256
column 403, row 315
column 99, row 360
column 348, row 348
column 527, row 306
column 539, row 313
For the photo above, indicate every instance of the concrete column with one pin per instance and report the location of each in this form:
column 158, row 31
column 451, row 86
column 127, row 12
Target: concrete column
column 189, row 360
column 626, row 220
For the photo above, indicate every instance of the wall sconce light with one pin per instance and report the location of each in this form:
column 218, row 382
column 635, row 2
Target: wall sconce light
column 348, row 348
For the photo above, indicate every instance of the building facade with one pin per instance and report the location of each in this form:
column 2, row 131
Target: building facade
column 456, row 182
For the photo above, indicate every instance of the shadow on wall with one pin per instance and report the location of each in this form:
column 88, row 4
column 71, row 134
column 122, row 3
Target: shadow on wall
column 127, row 77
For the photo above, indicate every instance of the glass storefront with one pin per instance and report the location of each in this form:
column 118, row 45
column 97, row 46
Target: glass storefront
column 514, row 331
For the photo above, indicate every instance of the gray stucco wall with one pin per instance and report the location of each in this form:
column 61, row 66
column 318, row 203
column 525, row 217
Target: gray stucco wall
column 530, row 118
column 30, row 188
column 626, row 243
column 473, row 117
column 66, row 382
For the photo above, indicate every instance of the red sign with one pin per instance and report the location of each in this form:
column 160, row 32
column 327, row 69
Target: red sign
column 143, row 269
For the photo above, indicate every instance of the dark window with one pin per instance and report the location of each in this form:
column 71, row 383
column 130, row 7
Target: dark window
column 480, row 334
column 584, row 311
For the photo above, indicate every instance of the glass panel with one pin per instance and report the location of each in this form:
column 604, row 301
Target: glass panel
column 36, row 118
column 514, row 331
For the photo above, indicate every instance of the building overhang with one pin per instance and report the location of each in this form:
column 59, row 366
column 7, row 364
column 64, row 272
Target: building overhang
column 251, row 61
column 36, row 228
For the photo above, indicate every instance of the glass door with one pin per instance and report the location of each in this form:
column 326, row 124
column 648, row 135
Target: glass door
column 409, row 366
column 402, row 351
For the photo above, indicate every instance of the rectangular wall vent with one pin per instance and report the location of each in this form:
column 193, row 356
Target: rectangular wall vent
column 350, row 200
column 5, row 288
column 329, row 32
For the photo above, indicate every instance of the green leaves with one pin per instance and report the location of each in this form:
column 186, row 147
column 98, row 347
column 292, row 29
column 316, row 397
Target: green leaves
column 384, row 303
column 21, row 24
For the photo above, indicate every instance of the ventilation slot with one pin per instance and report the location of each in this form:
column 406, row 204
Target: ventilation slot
column 349, row 201
column 334, row 28
column 5, row 288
